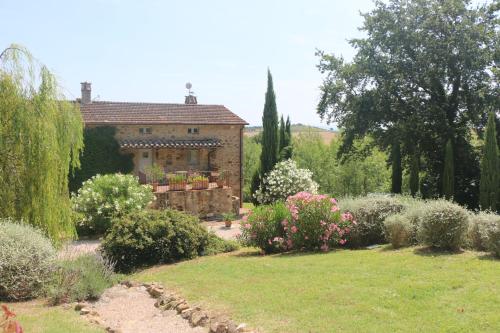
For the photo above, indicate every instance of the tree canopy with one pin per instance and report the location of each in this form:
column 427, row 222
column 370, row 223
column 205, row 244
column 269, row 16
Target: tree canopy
column 426, row 72
column 40, row 141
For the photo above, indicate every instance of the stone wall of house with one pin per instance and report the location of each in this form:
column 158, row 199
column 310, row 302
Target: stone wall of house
column 226, row 157
column 203, row 203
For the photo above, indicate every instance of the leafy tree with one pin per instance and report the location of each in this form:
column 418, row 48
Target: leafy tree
column 397, row 173
column 449, row 172
column 426, row 71
column 40, row 141
column 101, row 156
column 270, row 139
column 490, row 168
column 251, row 154
column 414, row 173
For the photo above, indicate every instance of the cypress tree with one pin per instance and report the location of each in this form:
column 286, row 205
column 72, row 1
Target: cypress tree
column 270, row 139
column 288, row 136
column 283, row 140
column 414, row 170
column 489, row 185
column 397, row 174
column 449, row 172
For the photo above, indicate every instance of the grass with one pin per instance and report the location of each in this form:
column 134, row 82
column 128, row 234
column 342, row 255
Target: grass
column 37, row 317
column 379, row 290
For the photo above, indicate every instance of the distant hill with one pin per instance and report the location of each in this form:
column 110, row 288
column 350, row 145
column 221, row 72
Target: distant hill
column 326, row 134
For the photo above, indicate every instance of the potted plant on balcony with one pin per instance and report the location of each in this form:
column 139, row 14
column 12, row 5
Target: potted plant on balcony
column 222, row 179
column 177, row 182
column 198, row 182
column 154, row 174
column 228, row 219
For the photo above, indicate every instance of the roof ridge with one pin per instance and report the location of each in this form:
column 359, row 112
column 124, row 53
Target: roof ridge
column 154, row 103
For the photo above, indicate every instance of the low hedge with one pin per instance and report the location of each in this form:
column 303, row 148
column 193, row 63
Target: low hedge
column 158, row 236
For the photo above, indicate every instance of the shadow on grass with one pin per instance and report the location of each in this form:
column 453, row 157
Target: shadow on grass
column 489, row 256
column 435, row 252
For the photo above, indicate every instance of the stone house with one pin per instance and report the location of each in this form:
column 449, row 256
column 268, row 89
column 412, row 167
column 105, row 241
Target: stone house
column 177, row 137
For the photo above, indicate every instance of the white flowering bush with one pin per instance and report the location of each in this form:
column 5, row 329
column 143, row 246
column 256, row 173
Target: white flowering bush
column 105, row 196
column 284, row 180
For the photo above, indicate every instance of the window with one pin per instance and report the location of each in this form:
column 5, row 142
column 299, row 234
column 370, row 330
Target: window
column 145, row 130
column 193, row 130
column 193, row 156
column 145, row 154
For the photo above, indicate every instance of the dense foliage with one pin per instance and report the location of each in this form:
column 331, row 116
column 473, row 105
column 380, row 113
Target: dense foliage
column 443, row 225
column 479, row 226
column 105, row 196
column 27, row 261
column 285, row 136
column 489, row 188
column 40, row 141
column 398, row 230
column 151, row 237
column 270, row 137
column 449, row 172
column 284, row 180
column 101, row 155
column 82, row 278
column 251, row 155
column 422, row 78
column 397, row 172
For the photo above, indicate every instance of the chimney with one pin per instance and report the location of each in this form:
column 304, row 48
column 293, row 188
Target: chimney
column 86, row 93
column 190, row 99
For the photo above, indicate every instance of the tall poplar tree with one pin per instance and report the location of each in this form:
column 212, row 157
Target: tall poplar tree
column 449, row 172
column 40, row 141
column 490, row 184
column 397, row 174
column 270, row 139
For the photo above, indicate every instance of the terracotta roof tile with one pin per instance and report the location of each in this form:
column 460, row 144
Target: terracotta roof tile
column 167, row 143
column 101, row 112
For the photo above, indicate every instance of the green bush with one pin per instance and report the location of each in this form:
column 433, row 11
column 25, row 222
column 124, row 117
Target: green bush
column 443, row 225
column 478, row 229
column 152, row 237
column 104, row 196
column 101, row 155
column 398, row 230
column 26, row 261
column 493, row 232
column 217, row 245
column 370, row 212
column 263, row 224
column 83, row 278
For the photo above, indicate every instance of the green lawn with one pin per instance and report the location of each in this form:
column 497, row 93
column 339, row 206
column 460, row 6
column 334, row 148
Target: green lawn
column 37, row 317
column 380, row 290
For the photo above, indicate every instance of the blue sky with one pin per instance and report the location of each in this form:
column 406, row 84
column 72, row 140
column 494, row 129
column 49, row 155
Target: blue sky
column 145, row 51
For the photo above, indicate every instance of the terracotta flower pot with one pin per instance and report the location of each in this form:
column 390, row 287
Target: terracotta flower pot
column 228, row 224
column 155, row 187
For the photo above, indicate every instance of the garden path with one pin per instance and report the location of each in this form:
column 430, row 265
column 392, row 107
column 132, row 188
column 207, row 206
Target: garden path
column 132, row 310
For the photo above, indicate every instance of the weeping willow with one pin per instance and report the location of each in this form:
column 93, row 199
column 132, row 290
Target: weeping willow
column 40, row 142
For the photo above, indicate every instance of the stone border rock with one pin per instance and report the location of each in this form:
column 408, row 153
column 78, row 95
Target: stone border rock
column 166, row 300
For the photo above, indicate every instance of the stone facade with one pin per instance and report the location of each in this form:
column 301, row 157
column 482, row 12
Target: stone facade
column 203, row 203
column 228, row 157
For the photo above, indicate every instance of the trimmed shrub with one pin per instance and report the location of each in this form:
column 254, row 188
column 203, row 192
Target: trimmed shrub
column 478, row 229
column 27, row 260
column 493, row 232
column 443, row 225
column 398, row 230
column 106, row 196
column 369, row 213
column 217, row 245
column 262, row 225
column 285, row 180
column 101, row 155
column 153, row 237
column 83, row 278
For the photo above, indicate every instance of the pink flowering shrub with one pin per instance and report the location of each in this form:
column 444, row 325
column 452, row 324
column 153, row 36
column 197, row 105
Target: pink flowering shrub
column 262, row 227
column 316, row 222
column 305, row 221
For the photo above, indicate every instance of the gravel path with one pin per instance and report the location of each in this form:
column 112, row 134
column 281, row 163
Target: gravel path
column 79, row 247
column 132, row 310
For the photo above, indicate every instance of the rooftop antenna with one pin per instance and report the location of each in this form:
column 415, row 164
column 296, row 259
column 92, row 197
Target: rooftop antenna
column 190, row 98
column 188, row 87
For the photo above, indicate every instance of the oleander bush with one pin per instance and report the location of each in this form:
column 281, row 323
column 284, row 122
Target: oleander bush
column 478, row 229
column 106, row 196
column 82, row 278
column 262, row 225
column 151, row 237
column 285, row 180
column 443, row 225
column 27, row 259
column 370, row 212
